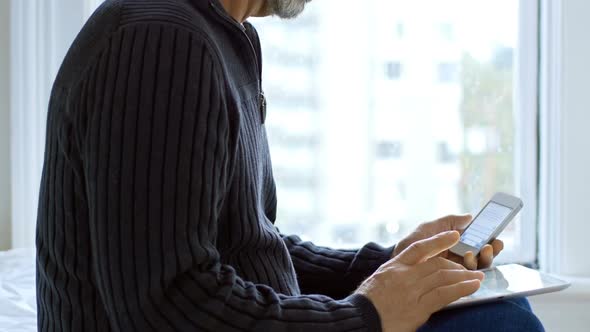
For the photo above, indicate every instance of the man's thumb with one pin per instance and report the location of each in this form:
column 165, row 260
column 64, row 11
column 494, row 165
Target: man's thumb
column 459, row 222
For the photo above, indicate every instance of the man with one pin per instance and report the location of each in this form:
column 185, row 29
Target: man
column 158, row 204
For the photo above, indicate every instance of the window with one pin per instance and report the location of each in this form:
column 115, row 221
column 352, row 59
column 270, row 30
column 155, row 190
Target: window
column 399, row 30
column 394, row 70
column 387, row 156
column 389, row 150
column 445, row 155
column 446, row 31
column 448, row 72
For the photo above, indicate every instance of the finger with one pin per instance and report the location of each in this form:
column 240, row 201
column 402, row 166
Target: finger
column 455, row 222
column 420, row 251
column 456, row 258
column 486, row 256
column 470, row 261
column 435, row 264
column 460, row 222
column 498, row 246
column 438, row 298
column 443, row 278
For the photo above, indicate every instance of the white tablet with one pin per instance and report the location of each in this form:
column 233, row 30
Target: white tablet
column 512, row 280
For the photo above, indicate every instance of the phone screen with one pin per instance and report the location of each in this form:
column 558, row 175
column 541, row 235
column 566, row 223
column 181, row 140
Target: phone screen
column 490, row 218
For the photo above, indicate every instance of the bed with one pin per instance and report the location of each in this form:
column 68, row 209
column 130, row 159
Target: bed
column 17, row 291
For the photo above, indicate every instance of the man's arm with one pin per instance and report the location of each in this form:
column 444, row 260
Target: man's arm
column 331, row 272
column 156, row 150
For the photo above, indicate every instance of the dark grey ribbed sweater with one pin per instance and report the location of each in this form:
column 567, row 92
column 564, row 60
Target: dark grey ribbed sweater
column 157, row 204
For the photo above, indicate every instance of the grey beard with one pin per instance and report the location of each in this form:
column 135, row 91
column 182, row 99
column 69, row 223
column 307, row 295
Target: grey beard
column 287, row 8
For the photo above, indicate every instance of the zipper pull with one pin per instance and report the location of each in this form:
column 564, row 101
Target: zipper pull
column 262, row 106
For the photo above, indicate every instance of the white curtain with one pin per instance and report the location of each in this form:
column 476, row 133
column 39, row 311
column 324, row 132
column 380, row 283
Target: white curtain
column 41, row 33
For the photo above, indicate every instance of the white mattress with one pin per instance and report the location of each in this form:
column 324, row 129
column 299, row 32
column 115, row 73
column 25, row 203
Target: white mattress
column 17, row 291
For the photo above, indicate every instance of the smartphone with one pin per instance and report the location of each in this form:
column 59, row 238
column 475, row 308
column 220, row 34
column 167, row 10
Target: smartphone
column 488, row 223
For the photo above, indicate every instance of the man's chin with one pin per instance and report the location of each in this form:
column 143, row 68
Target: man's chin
column 264, row 12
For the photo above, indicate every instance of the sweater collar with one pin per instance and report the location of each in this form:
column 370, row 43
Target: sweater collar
column 217, row 8
column 206, row 3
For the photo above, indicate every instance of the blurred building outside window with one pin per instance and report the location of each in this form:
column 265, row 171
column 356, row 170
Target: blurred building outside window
column 389, row 113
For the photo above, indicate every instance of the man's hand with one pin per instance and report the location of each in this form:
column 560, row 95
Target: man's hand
column 450, row 223
column 410, row 287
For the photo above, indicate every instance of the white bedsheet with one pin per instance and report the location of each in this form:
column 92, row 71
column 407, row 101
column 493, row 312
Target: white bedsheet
column 18, row 311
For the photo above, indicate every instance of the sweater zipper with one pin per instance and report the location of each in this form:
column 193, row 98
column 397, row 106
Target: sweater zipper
column 241, row 28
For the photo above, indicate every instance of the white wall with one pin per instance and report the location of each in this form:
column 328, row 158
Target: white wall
column 575, row 144
column 568, row 310
column 5, row 230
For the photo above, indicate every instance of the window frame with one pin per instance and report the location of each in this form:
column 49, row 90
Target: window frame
column 527, row 136
column 550, row 85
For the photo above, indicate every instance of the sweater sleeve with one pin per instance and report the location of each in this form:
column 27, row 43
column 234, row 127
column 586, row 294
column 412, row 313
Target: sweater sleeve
column 157, row 147
column 332, row 272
